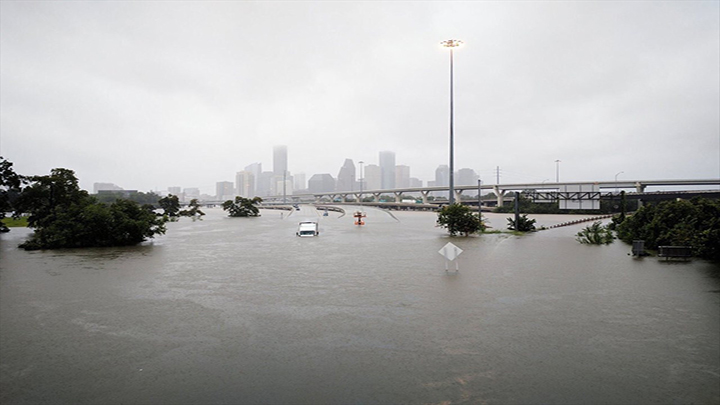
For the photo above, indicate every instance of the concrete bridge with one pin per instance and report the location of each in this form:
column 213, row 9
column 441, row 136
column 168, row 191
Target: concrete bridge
column 638, row 186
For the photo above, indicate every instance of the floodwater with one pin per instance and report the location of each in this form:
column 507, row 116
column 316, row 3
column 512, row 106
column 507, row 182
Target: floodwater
column 240, row 310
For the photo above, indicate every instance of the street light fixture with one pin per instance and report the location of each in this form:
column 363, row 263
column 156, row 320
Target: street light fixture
column 557, row 171
column 616, row 184
column 451, row 43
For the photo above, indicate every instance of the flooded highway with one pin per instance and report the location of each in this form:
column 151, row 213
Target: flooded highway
column 242, row 311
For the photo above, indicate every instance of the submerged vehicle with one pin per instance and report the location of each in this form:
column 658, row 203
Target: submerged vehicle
column 307, row 228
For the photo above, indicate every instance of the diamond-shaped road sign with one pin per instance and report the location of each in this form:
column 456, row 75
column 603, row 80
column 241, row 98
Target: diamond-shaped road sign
column 450, row 251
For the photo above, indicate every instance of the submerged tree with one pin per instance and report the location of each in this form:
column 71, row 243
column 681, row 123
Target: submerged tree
column 595, row 234
column 170, row 206
column 64, row 216
column 242, row 207
column 458, row 219
column 194, row 210
column 10, row 183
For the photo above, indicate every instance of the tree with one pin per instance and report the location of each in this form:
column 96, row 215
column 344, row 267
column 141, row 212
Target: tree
column 458, row 219
column 242, row 207
column 170, row 206
column 524, row 224
column 595, row 234
column 10, row 186
column 693, row 223
column 64, row 216
column 194, row 212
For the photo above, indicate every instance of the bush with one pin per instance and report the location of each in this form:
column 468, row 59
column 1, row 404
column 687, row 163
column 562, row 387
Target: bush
column 595, row 234
column 524, row 224
column 458, row 219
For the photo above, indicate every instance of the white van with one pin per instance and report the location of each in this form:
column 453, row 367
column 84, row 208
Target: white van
column 307, row 228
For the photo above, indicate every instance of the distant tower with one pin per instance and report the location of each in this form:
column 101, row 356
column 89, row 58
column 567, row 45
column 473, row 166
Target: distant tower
column 280, row 160
column 346, row 176
column 402, row 176
column 245, row 184
column 442, row 176
column 387, row 169
column 256, row 170
column 372, row 177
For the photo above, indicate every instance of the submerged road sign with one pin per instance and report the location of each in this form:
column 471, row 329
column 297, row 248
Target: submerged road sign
column 450, row 252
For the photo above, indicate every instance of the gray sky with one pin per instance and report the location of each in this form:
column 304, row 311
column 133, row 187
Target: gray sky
column 148, row 95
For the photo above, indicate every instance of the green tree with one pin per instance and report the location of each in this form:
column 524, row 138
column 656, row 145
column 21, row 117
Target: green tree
column 693, row 223
column 595, row 234
column 170, row 206
column 524, row 224
column 64, row 216
column 242, row 207
column 10, row 186
column 194, row 210
column 458, row 219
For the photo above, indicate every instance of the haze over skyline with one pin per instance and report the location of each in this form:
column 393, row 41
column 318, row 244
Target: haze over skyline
column 148, row 95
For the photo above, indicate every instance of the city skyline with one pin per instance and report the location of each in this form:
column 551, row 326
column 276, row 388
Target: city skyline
column 124, row 93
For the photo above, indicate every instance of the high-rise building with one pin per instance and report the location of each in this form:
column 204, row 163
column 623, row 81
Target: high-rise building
column 387, row 169
column 466, row 177
column 402, row 176
column 373, row 177
column 280, row 160
column 346, row 177
column 189, row 194
column 245, row 184
column 224, row 190
column 415, row 182
column 321, row 183
column 442, row 176
column 175, row 190
column 263, row 184
column 299, row 181
column 256, row 170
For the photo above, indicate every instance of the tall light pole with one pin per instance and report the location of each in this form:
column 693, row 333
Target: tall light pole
column 616, row 185
column 451, row 43
column 361, row 179
column 557, row 171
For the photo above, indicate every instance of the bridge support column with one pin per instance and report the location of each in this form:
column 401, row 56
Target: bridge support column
column 376, row 197
column 343, row 197
column 317, row 199
column 398, row 196
column 424, row 196
column 640, row 188
column 358, row 197
column 499, row 194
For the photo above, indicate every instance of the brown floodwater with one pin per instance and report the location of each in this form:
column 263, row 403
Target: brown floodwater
column 240, row 310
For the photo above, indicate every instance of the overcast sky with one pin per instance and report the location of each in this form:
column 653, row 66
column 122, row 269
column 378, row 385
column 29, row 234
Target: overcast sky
column 148, row 95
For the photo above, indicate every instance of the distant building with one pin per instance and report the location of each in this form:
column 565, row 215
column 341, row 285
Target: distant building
column 245, row 184
column 263, row 184
column 256, row 170
column 105, row 187
column 402, row 176
column 387, row 169
column 224, row 190
column 299, row 182
column 321, row 183
column 466, row 177
column 373, row 177
column 442, row 176
column 189, row 194
column 280, row 160
column 346, row 177
column 415, row 182
column 175, row 190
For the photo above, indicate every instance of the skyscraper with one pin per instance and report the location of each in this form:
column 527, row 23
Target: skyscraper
column 442, row 176
column 373, row 177
column 466, row 177
column 402, row 176
column 387, row 169
column 224, row 190
column 256, row 170
column 245, row 184
column 346, row 177
column 280, row 160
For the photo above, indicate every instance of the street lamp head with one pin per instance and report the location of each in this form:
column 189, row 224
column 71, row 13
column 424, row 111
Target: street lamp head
column 451, row 43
